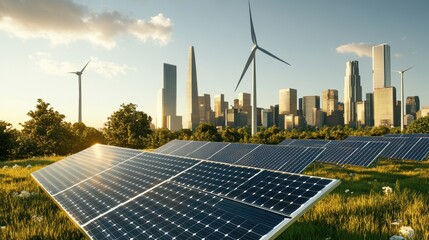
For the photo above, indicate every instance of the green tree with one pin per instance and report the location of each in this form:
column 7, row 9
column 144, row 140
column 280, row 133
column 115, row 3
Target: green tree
column 183, row 134
column 86, row 136
column 230, row 134
column 8, row 143
column 47, row 131
column 159, row 137
column 127, row 127
column 206, row 132
column 420, row 125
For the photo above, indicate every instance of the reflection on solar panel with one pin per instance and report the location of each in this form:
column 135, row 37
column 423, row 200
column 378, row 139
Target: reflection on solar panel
column 233, row 152
column 283, row 158
column 305, row 142
column 410, row 135
column 138, row 195
column 188, row 148
column 413, row 148
column 208, row 150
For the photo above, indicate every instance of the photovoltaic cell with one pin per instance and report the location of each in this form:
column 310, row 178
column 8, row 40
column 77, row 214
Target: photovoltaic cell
column 287, row 141
column 366, row 155
column 176, row 145
column 233, row 152
column 410, row 135
column 309, row 143
column 420, row 151
column 208, row 150
column 176, row 212
column 188, row 148
column 282, row 158
column 157, row 196
column 66, row 173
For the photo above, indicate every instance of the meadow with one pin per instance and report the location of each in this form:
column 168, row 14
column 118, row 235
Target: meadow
column 357, row 209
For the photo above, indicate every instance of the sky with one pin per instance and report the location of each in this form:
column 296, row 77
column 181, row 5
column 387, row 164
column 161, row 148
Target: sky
column 128, row 41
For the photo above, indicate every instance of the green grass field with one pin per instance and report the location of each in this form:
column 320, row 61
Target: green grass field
column 357, row 209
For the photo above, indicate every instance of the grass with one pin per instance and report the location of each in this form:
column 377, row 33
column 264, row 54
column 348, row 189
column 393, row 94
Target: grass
column 357, row 209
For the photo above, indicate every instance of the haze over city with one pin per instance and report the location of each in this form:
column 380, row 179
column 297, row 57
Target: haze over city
column 128, row 42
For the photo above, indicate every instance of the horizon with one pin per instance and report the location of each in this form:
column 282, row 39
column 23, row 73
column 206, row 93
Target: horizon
column 129, row 43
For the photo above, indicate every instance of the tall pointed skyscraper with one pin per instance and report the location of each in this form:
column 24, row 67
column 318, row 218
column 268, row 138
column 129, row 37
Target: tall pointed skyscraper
column 192, row 107
column 352, row 92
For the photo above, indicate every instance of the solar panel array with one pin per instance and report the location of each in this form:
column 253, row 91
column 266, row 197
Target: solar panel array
column 294, row 159
column 359, row 153
column 119, row 193
column 401, row 146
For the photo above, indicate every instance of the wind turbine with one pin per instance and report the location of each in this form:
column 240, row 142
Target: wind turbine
column 252, row 57
column 401, row 73
column 79, row 75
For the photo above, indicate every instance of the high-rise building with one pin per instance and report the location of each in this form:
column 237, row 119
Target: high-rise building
column 412, row 105
column 308, row 105
column 275, row 112
column 192, row 107
column 288, row 101
column 219, row 109
column 352, row 92
column 360, row 114
column 381, row 71
column 244, row 102
column 167, row 98
column 369, row 110
column 423, row 112
column 329, row 101
column 206, row 112
column 384, row 106
column 267, row 118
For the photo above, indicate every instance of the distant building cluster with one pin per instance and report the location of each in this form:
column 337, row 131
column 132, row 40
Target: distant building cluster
column 380, row 107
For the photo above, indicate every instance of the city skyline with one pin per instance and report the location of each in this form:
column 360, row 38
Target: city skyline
column 127, row 58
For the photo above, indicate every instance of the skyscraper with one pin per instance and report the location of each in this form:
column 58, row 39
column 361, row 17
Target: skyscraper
column 381, row 66
column 352, row 92
column 219, row 108
column 412, row 105
column 369, row 110
column 329, row 101
column 310, row 105
column 167, row 97
column 288, row 101
column 244, row 102
column 192, row 107
column 206, row 113
column 384, row 106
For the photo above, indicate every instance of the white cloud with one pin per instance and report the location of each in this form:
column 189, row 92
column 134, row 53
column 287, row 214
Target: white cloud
column 64, row 21
column 360, row 49
column 107, row 69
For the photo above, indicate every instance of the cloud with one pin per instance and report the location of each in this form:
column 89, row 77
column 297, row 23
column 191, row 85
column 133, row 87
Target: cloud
column 50, row 66
column 360, row 49
column 64, row 21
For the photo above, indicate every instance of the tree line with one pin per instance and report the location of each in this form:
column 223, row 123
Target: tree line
column 47, row 133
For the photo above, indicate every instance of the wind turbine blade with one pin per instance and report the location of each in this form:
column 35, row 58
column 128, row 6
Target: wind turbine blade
column 85, row 66
column 252, row 29
column 272, row 55
column 72, row 72
column 252, row 55
column 408, row 69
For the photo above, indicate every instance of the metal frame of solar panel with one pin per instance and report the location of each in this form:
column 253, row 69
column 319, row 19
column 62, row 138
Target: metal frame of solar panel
column 410, row 135
column 144, row 195
column 172, row 146
column 412, row 148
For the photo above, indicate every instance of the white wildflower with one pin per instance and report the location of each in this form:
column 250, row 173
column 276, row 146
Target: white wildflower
column 15, row 194
column 24, row 194
column 2, row 227
column 5, row 167
column 16, row 166
column 351, row 193
column 396, row 222
column 387, row 190
column 351, row 174
column 28, row 166
column 347, row 190
column 396, row 237
column 37, row 218
column 407, row 232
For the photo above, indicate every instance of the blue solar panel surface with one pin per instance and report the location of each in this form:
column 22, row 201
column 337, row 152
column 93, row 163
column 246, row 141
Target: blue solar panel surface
column 208, row 150
column 188, row 148
column 233, row 152
column 153, row 196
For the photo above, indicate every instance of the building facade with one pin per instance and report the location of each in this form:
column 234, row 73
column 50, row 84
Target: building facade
column 288, row 101
column 192, row 108
column 352, row 92
column 309, row 103
column 381, row 71
column 384, row 106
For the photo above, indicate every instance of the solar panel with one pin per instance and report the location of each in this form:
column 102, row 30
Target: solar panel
column 233, row 152
column 410, row 135
column 174, row 146
column 208, row 150
column 366, row 155
column 309, row 143
column 156, row 196
column 419, row 151
column 188, row 148
column 335, row 155
column 287, row 141
column 283, row 158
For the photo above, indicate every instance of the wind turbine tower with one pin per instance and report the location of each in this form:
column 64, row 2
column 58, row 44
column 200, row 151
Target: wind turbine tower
column 79, row 75
column 251, row 58
column 401, row 73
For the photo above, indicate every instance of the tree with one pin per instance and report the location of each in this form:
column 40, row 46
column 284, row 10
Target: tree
column 420, row 125
column 47, row 131
column 206, row 132
column 8, row 137
column 159, row 137
column 86, row 136
column 127, row 127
